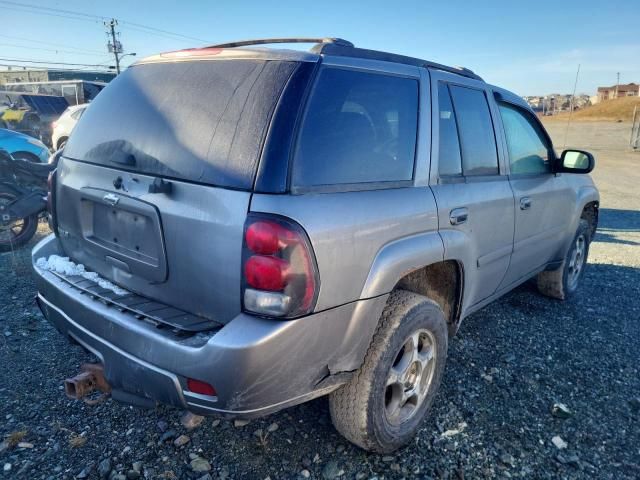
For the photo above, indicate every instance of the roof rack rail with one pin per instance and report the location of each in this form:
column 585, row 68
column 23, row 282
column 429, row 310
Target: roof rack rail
column 344, row 48
column 351, row 51
column 266, row 41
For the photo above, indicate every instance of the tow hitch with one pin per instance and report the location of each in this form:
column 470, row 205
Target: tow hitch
column 90, row 379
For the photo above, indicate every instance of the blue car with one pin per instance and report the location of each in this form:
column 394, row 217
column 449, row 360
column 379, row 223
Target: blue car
column 23, row 146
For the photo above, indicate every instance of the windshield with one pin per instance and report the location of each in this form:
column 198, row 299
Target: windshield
column 202, row 121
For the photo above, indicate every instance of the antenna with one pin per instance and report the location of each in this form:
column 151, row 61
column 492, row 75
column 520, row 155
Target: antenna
column 573, row 96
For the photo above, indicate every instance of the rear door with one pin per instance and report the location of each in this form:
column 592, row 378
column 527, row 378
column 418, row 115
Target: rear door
column 544, row 200
column 154, row 186
column 472, row 191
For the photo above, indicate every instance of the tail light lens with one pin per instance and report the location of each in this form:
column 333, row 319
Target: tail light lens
column 279, row 270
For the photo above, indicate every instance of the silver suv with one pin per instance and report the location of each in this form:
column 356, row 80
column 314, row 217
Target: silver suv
column 239, row 230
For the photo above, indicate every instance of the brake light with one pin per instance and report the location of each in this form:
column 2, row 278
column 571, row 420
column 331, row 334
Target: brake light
column 279, row 269
column 192, row 52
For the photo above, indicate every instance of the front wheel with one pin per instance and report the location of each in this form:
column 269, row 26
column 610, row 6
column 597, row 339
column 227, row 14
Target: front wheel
column 382, row 406
column 15, row 233
column 564, row 281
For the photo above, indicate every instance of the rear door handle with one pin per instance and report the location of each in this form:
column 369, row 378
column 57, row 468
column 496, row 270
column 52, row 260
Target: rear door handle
column 525, row 203
column 458, row 216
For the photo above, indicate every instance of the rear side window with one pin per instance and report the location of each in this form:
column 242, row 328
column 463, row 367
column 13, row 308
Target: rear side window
column 475, row 128
column 449, row 160
column 203, row 121
column 77, row 114
column 358, row 128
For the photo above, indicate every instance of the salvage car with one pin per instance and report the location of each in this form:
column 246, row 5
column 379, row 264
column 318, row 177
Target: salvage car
column 23, row 147
column 240, row 229
column 63, row 126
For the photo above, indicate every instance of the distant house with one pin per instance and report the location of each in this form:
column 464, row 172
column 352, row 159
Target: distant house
column 618, row 91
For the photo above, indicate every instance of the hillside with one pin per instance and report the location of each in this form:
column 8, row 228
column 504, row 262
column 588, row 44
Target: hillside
column 620, row 109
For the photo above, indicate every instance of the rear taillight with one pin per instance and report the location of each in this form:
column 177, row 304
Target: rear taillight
column 279, row 270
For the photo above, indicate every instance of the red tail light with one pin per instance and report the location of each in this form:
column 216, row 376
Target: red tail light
column 279, row 270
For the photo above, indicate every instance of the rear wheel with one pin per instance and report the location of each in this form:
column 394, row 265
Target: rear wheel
column 383, row 405
column 18, row 232
column 564, row 281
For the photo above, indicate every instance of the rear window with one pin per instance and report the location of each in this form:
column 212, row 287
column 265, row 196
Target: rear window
column 359, row 127
column 203, row 121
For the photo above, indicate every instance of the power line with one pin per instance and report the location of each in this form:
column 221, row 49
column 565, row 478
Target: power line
column 28, row 60
column 62, row 69
column 42, row 49
column 94, row 18
column 50, row 44
column 50, row 9
column 159, row 31
column 50, row 14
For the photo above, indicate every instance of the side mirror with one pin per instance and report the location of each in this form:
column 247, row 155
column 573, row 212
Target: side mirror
column 576, row 161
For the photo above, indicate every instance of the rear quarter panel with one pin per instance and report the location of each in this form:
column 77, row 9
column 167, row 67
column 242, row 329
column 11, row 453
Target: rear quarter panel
column 362, row 241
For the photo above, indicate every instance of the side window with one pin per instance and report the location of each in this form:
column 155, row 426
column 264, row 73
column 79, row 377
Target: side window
column 527, row 145
column 359, row 127
column 477, row 138
column 449, row 161
column 77, row 114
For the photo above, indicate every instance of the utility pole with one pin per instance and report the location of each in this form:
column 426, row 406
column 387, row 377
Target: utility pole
column 617, row 84
column 114, row 46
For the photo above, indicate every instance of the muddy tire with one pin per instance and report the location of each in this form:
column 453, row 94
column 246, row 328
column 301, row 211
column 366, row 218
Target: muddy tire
column 382, row 406
column 563, row 282
column 19, row 232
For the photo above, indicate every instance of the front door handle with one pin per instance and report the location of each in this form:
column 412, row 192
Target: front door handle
column 458, row 216
column 525, row 203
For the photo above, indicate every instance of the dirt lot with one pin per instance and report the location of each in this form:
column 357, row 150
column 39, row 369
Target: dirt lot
column 507, row 367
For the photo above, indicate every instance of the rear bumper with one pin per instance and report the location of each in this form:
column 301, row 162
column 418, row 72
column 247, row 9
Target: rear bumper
column 257, row 366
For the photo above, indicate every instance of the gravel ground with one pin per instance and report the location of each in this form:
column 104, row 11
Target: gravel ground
column 508, row 366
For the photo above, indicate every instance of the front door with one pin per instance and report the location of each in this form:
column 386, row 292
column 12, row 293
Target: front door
column 472, row 191
column 543, row 200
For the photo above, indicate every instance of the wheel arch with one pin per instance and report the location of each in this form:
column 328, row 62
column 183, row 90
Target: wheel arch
column 417, row 264
column 590, row 213
column 442, row 282
column 60, row 140
column 396, row 259
column 25, row 154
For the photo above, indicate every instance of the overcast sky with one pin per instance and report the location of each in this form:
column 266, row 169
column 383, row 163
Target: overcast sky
column 530, row 48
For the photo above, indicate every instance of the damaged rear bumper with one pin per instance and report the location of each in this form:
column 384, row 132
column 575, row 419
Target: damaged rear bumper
column 256, row 365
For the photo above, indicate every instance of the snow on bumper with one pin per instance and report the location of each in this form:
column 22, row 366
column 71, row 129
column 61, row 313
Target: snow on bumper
column 256, row 365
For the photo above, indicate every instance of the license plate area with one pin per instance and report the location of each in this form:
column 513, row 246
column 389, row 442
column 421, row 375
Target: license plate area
column 124, row 232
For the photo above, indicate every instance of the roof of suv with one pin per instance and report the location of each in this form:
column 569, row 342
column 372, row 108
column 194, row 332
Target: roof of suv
column 323, row 46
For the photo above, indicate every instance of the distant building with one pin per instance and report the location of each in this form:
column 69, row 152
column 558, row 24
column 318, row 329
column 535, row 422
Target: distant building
column 618, row 91
column 555, row 103
column 48, row 75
